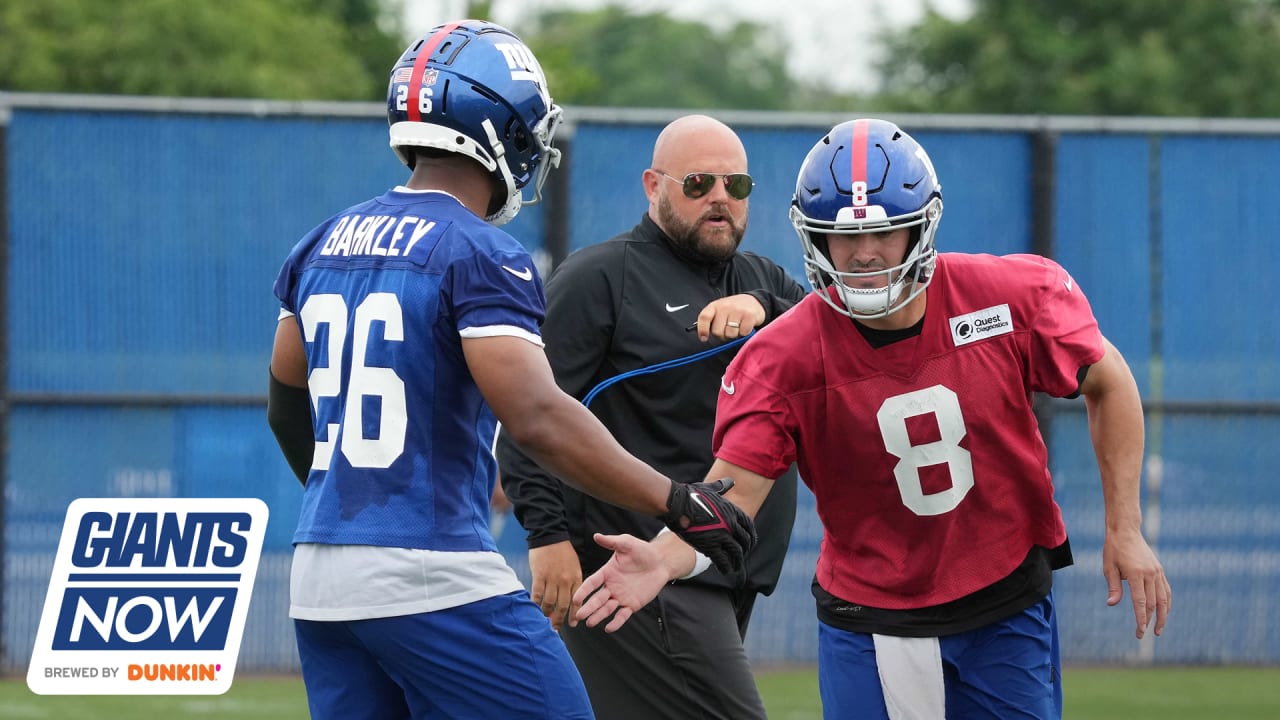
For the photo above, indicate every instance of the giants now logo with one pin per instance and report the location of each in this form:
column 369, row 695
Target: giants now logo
column 148, row 597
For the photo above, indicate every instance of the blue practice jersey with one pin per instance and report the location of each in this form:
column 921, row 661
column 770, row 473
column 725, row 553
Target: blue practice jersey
column 383, row 293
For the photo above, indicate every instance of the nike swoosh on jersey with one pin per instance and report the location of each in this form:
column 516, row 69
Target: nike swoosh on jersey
column 728, row 389
column 524, row 274
column 1067, row 282
column 677, row 307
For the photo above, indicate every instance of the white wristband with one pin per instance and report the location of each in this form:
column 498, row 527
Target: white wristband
column 700, row 562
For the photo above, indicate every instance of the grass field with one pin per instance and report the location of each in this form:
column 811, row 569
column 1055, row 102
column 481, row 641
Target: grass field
column 1091, row 694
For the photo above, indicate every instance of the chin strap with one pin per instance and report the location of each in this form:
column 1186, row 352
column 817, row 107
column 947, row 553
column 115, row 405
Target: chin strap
column 511, row 205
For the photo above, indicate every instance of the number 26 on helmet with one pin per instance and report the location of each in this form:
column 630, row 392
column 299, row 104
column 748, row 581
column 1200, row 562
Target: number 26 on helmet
column 474, row 88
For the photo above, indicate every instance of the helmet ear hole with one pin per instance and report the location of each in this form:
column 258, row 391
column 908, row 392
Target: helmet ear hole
column 519, row 138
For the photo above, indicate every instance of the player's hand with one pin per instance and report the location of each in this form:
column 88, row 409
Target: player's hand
column 1126, row 557
column 712, row 525
column 632, row 578
column 556, row 575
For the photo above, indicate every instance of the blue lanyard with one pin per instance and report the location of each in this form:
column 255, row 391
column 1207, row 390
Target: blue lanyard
column 665, row 365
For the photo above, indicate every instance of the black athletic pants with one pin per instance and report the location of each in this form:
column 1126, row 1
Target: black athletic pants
column 679, row 658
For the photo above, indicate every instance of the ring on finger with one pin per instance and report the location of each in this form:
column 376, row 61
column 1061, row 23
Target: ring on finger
column 732, row 324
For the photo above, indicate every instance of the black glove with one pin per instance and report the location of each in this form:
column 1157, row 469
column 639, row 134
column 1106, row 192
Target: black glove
column 714, row 526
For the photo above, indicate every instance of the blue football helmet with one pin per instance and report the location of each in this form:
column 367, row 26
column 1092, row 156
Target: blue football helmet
column 867, row 176
column 474, row 88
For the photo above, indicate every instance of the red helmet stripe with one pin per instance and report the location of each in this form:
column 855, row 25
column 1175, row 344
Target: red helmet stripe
column 420, row 68
column 858, row 155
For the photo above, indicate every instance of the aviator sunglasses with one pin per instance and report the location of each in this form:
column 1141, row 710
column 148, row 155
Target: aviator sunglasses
column 697, row 184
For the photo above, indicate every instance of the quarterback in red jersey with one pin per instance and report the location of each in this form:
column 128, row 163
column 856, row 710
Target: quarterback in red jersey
column 902, row 387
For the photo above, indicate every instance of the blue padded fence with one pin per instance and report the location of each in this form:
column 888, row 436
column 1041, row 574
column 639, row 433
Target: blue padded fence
column 142, row 244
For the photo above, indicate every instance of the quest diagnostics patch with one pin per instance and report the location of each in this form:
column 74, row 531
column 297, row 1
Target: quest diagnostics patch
column 980, row 325
column 148, row 596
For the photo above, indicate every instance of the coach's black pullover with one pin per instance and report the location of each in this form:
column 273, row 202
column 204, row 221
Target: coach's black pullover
column 622, row 305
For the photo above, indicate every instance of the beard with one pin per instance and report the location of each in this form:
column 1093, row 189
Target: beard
column 709, row 244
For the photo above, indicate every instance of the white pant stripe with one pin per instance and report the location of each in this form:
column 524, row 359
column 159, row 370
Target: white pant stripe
column 911, row 677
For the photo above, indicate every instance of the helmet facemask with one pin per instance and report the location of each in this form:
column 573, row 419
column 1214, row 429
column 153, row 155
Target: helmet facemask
column 903, row 282
column 543, row 133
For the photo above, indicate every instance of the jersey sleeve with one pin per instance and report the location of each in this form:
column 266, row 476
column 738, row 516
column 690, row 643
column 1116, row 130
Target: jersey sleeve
column 755, row 428
column 498, row 292
column 285, row 288
column 1064, row 336
column 286, row 284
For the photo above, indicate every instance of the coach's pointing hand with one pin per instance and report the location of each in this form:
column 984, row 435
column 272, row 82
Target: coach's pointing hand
column 714, row 526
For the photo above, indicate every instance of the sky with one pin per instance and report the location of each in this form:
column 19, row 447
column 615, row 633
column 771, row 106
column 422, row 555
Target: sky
column 834, row 37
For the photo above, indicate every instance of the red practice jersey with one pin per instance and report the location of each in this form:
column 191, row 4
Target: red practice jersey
column 926, row 460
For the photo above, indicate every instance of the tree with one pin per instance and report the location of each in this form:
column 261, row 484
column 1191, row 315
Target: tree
column 1200, row 58
column 610, row 57
column 285, row 49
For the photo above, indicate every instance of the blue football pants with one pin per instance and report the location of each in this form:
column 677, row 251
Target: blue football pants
column 495, row 658
column 1007, row 670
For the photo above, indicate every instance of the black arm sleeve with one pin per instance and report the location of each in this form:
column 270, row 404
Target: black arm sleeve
column 289, row 415
column 780, row 296
column 537, row 497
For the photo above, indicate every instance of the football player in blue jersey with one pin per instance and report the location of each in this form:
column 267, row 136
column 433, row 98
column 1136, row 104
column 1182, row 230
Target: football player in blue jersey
column 409, row 328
